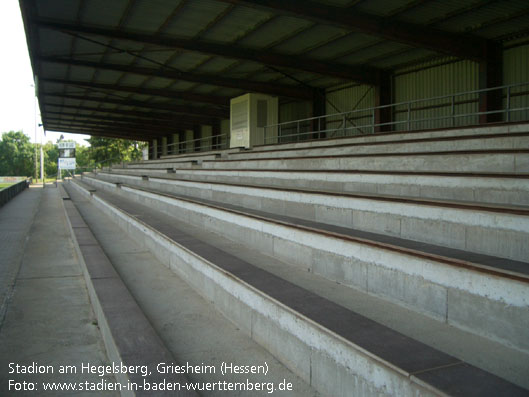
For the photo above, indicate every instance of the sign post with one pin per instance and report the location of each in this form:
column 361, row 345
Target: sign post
column 66, row 156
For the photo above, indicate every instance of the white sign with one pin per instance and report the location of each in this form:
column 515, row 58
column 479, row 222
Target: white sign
column 66, row 145
column 67, row 163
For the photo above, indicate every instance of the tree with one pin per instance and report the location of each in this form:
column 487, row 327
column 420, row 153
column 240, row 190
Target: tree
column 17, row 154
column 51, row 154
column 110, row 150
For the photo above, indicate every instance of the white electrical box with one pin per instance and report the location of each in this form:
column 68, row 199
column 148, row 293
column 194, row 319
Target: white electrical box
column 249, row 114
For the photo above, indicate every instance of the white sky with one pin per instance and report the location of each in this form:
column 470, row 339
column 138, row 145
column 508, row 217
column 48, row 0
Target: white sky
column 17, row 96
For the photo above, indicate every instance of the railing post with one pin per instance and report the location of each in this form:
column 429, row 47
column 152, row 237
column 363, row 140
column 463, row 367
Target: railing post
column 453, row 110
column 343, row 123
column 297, row 130
column 373, row 121
column 508, row 103
column 409, row 116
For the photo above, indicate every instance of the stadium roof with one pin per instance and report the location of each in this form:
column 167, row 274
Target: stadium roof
column 140, row 69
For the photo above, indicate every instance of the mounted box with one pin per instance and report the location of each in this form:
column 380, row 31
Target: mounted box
column 249, row 114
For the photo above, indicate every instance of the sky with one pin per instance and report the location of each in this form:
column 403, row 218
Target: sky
column 17, row 95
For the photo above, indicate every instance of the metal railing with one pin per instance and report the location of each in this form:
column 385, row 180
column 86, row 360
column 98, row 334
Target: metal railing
column 454, row 110
column 214, row 142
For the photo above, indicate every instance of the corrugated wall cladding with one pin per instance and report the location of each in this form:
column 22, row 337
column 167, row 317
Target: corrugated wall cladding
column 425, row 82
column 290, row 111
column 349, row 98
column 225, row 132
column 516, row 70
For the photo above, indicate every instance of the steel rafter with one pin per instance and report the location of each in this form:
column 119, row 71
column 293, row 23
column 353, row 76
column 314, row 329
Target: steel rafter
column 461, row 45
column 206, row 113
column 210, row 99
column 363, row 74
column 255, row 86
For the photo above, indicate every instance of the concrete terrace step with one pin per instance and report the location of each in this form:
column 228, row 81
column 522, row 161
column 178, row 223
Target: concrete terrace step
column 508, row 189
column 162, row 163
column 488, row 229
column 128, row 336
column 221, row 153
column 469, row 161
column 340, row 352
column 401, row 135
column 450, row 285
column 187, row 324
column 519, row 140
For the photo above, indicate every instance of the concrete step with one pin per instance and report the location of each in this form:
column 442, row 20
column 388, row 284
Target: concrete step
column 495, row 230
column 506, row 161
column 221, row 153
column 170, row 161
column 191, row 329
column 402, row 135
column 339, row 351
column 450, row 285
column 518, row 140
column 128, row 336
column 507, row 189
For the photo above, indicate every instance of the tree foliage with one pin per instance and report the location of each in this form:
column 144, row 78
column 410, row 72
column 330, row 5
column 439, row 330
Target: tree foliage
column 17, row 155
column 105, row 150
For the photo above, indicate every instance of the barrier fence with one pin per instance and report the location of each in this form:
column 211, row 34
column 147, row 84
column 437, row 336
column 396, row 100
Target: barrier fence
column 9, row 192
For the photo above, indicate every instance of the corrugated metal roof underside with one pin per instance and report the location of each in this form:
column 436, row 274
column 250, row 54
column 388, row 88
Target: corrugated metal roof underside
column 132, row 70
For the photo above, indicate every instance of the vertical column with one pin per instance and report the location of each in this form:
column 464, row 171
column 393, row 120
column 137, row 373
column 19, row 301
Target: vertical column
column 215, row 132
column 189, row 145
column 154, row 149
column 383, row 97
column 197, row 135
column 206, row 131
column 491, row 75
column 318, row 109
column 164, row 146
column 176, row 144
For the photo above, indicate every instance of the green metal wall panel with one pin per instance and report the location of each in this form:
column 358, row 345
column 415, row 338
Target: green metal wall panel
column 432, row 80
column 290, row 111
column 516, row 70
column 349, row 98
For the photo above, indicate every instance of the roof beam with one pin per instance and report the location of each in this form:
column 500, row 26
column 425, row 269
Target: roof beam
column 95, row 132
column 247, row 85
column 145, row 115
column 211, row 99
column 461, row 45
column 360, row 74
column 206, row 113
column 86, row 129
column 116, row 125
column 134, row 121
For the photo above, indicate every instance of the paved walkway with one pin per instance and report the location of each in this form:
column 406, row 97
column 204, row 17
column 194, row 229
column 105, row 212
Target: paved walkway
column 46, row 317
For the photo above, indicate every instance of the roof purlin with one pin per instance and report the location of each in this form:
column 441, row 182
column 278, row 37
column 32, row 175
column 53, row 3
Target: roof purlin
column 363, row 74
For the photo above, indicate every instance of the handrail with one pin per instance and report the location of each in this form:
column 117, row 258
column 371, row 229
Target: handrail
column 317, row 125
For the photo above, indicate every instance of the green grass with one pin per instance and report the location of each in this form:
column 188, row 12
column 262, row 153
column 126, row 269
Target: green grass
column 3, row 185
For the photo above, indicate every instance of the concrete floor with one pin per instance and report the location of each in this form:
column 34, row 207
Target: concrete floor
column 47, row 317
